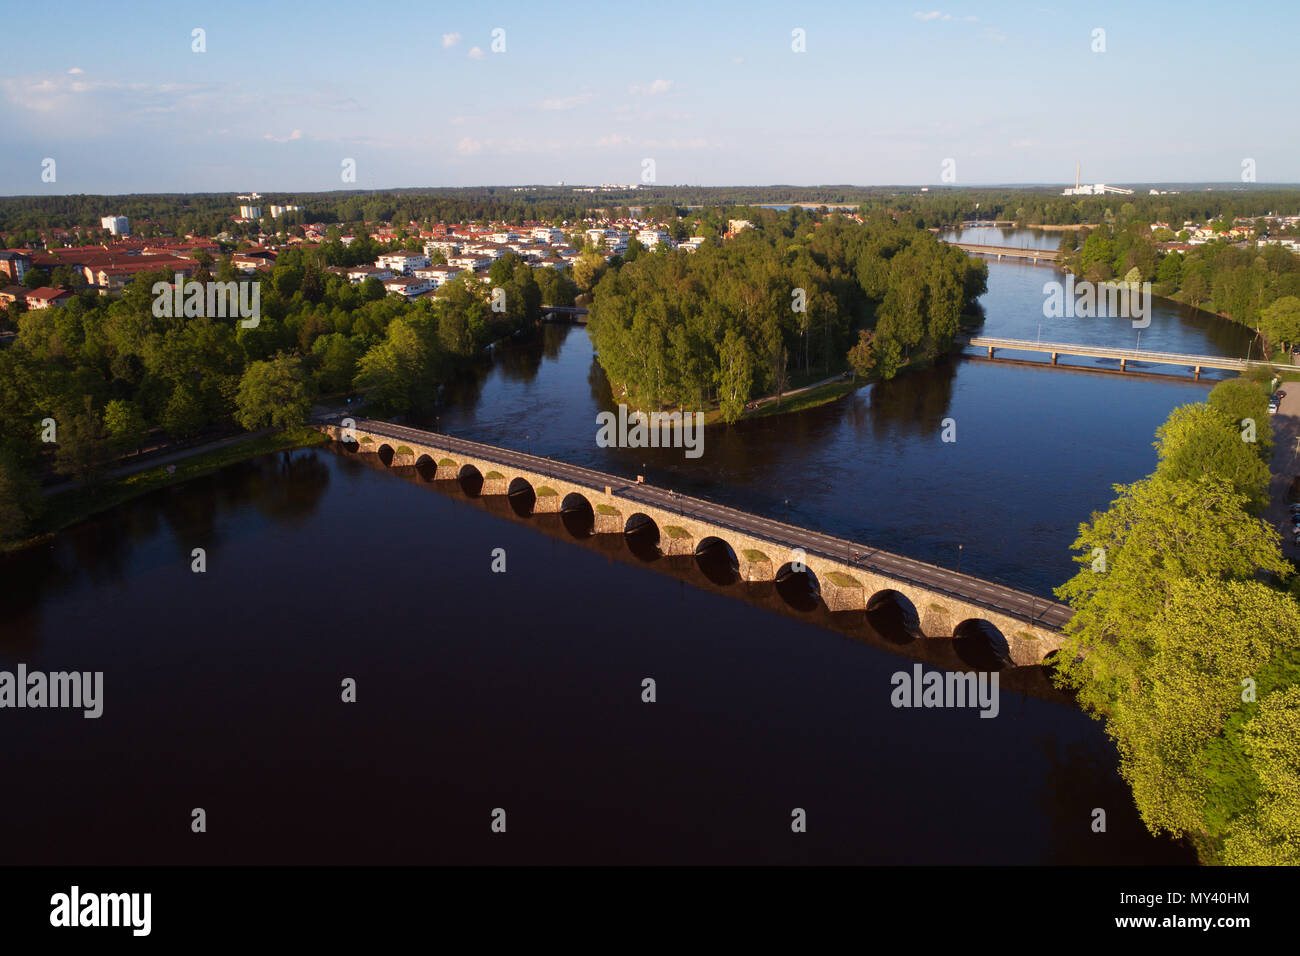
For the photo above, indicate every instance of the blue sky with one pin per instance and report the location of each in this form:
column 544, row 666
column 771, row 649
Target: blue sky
column 583, row 92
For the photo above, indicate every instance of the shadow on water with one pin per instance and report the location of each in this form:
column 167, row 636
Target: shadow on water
column 286, row 487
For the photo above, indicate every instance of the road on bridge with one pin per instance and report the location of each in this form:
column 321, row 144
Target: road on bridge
column 1018, row 604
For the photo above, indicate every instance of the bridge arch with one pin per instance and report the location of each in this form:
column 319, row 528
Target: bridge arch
column 522, row 496
column 894, row 617
column 980, row 644
column 799, row 588
column 717, row 559
column 642, row 535
column 578, row 515
column 471, row 480
column 385, row 452
column 426, row 467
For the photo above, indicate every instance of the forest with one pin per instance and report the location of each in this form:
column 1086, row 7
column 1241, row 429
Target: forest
column 111, row 376
column 1185, row 639
column 796, row 294
column 1257, row 286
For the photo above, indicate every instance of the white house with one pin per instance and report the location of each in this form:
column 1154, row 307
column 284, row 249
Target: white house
column 358, row 274
column 402, row 262
column 650, row 238
column 408, row 286
column 436, row 276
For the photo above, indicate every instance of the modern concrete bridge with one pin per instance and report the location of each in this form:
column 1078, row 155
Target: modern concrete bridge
column 1009, row 252
column 849, row 575
column 1056, row 349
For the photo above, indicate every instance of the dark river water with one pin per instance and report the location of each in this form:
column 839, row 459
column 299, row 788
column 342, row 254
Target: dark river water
column 522, row 690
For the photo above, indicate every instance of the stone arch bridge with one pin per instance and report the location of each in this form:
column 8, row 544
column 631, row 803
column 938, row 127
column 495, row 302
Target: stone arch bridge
column 849, row 575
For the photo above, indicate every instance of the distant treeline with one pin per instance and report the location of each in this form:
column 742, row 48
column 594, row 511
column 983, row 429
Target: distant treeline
column 23, row 218
column 733, row 321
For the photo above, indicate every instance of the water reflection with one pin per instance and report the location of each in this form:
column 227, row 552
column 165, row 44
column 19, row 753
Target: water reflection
column 487, row 684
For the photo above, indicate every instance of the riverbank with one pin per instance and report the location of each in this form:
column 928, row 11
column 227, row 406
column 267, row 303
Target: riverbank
column 73, row 505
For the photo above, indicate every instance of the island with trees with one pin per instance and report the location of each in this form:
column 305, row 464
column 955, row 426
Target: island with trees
column 798, row 296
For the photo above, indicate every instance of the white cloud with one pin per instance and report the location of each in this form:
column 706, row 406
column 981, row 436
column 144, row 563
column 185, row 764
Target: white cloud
column 567, row 102
column 296, row 134
column 697, row 142
column 614, row 139
column 652, row 89
column 450, row 40
column 737, row 59
column 939, row 15
column 78, row 99
column 469, row 146
column 76, row 69
column 476, row 53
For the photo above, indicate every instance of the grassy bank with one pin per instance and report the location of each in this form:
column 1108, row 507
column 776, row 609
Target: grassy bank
column 805, row 400
column 67, row 508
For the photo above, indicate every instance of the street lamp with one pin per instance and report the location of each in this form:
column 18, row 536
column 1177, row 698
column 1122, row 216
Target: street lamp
column 959, row 559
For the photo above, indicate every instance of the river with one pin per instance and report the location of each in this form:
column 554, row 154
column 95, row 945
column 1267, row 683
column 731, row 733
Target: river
column 522, row 690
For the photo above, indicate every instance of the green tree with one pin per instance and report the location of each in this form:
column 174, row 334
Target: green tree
column 862, row 357
column 82, row 445
column 1281, row 322
column 1269, row 835
column 273, row 394
column 20, row 500
column 124, row 424
column 393, row 371
column 1157, row 533
column 184, row 416
column 337, row 357
column 1201, row 440
column 1203, row 640
column 735, row 376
